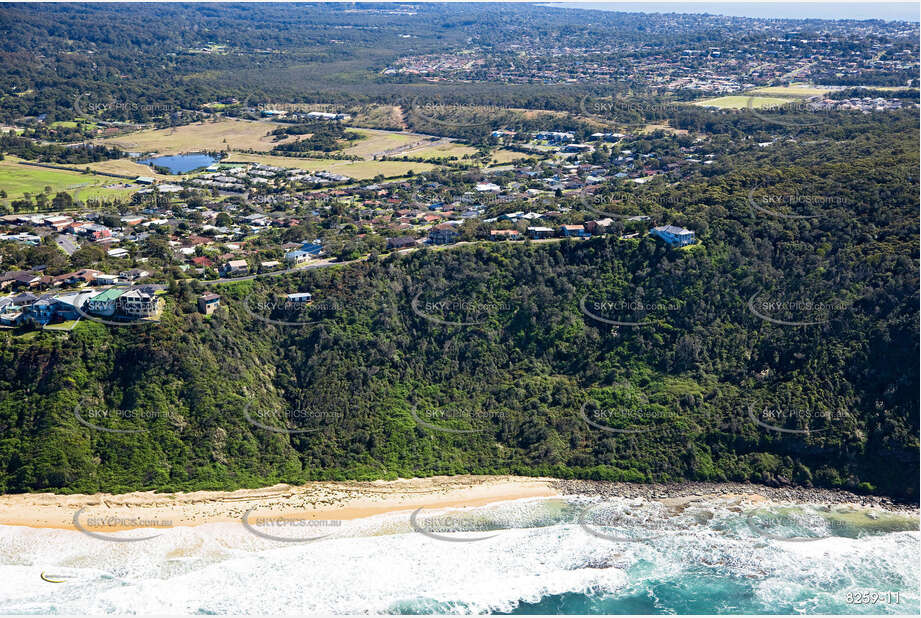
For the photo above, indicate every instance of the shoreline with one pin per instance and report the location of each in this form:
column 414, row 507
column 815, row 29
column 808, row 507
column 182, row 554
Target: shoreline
column 320, row 500
column 347, row 500
column 697, row 489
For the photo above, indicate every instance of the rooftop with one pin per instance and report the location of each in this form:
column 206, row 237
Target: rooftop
column 110, row 294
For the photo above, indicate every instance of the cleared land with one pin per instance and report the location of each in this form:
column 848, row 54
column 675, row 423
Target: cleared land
column 360, row 170
column 651, row 128
column 743, row 102
column 377, row 142
column 441, row 150
column 18, row 180
column 225, row 134
column 126, row 167
column 792, row 90
column 506, row 156
column 379, row 117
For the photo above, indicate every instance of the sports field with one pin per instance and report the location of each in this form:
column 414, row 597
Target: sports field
column 225, row 134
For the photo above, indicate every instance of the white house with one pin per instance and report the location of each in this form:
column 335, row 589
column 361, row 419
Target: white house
column 674, row 235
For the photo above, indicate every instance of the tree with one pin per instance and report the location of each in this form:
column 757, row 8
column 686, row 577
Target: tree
column 87, row 256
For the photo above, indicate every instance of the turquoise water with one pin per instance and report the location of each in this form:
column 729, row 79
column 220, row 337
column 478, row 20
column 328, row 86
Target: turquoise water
column 548, row 556
column 180, row 164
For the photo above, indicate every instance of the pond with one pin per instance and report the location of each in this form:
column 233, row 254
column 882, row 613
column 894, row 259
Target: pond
column 180, row 164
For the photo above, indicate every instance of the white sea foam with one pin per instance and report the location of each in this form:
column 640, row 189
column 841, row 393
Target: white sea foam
column 380, row 564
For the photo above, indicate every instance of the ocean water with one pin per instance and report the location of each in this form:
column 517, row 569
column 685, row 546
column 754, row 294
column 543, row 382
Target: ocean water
column 574, row 555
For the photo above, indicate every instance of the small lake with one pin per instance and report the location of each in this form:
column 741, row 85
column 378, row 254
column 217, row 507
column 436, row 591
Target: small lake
column 180, row 164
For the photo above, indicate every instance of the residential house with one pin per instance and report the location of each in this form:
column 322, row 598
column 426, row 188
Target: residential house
column 443, row 234
column 298, row 257
column 95, row 231
column 504, row 234
column 555, row 136
column 599, row 226
column 105, row 303
column 674, row 235
column 401, row 242
column 536, row 233
column 314, row 248
column 573, row 231
column 104, row 279
column 65, row 305
column 578, row 148
column 82, row 277
column 236, row 267
column 139, row 303
column 58, row 223
column 134, row 274
column 20, row 279
column 10, row 311
column 41, row 311
column 298, row 298
column 208, row 303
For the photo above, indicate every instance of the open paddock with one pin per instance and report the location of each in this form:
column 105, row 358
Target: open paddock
column 17, row 180
column 360, row 170
column 743, row 102
column 210, row 136
column 792, row 90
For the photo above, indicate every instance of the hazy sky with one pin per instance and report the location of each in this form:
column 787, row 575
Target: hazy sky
column 906, row 11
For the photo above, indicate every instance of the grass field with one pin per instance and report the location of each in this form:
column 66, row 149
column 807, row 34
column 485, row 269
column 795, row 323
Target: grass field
column 651, row 128
column 126, row 167
column 501, row 156
column 743, row 102
column 888, row 88
column 793, row 90
column 379, row 117
column 360, row 170
column 227, row 133
column 18, row 180
column 378, row 142
column 437, row 151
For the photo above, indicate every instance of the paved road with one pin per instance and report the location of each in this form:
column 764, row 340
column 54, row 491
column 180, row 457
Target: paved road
column 67, row 243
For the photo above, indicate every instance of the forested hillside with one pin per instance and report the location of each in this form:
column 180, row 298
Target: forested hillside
column 782, row 349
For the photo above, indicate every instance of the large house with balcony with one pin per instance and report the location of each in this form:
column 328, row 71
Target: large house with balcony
column 674, row 235
column 139, row 303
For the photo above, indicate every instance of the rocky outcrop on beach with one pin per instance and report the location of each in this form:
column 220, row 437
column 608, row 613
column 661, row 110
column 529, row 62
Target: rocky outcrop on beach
column 661, row 491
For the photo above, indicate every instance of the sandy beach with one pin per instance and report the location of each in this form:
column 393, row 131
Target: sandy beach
column 327, row 500
column 347, row 500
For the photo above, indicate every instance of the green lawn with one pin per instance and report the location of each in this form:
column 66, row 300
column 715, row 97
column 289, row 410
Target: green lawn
column 360, row 170
column 743, row 102
column 792, row 90
column 17, row 180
